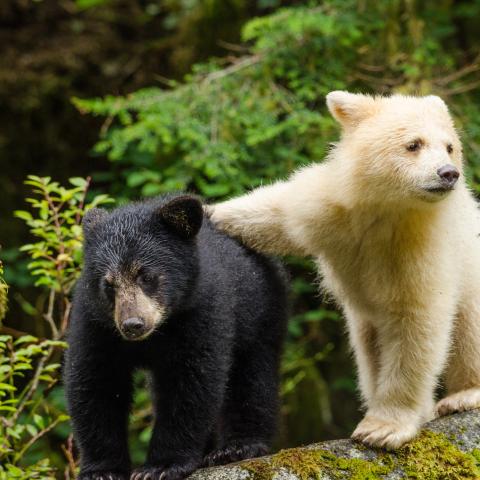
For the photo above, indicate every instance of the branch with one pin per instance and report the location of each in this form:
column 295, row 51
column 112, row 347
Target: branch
column 36, row 437
column 49, row 315
column 32, row 388
column 447, row 448
column 12, row 331
column 235, row 67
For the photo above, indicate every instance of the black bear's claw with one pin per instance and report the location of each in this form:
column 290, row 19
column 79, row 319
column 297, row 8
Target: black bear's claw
column 234, row 453
column 173, row 472
column 103, row 476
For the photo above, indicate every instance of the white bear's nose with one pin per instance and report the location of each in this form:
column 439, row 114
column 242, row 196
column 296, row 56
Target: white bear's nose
column 449, row 175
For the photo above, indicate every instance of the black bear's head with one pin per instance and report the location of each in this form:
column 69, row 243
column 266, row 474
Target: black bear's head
column 141, row 260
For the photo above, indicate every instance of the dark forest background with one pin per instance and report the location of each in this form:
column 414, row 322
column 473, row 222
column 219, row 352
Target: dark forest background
column 214, row 97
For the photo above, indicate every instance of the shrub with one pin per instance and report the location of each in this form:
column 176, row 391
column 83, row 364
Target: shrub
column 29, row 367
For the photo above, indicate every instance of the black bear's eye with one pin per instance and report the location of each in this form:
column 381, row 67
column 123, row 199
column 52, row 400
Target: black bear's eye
column 108, row 287
column 414, row 146
column 449, row 148
column 146, row 278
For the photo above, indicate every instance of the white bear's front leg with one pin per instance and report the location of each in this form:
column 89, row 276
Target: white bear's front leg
column 259, row 219
column 413, row 350
column 363, row 339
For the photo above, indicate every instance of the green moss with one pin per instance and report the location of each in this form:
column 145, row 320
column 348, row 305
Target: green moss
column 309, row 464
column 476, row 456
column 431, row 456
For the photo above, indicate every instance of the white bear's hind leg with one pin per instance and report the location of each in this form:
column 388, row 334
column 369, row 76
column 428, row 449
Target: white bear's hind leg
column 463, row 372
column 459, row 402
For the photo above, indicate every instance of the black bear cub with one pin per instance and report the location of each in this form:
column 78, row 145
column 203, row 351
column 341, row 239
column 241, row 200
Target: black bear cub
column 163, row 290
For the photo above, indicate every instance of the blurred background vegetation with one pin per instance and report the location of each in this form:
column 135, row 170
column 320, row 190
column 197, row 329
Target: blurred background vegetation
column 210, row 96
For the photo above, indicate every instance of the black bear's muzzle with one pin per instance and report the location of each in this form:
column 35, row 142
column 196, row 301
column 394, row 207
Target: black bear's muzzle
column 134, row 328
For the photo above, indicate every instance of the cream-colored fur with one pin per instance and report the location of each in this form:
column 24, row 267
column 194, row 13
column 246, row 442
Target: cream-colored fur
column 402, row 261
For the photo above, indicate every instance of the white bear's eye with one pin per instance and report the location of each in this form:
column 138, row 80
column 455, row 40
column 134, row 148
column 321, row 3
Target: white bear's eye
column 450, row 148
column 414, row 146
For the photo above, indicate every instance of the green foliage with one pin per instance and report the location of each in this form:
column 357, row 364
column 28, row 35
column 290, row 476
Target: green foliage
column 29, row 367
column 56, row 256
column 229, row 128
column 3, row 295
column 236, row 123
column 24, row 415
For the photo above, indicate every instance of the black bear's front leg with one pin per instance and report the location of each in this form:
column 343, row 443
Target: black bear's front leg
column 98, row 388
column 188, row 393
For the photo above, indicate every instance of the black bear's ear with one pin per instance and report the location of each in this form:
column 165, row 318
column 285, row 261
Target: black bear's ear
column 183, row 214
column 92, row 218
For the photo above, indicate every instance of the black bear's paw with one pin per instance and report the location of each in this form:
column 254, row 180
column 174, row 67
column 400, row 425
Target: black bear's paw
column 103, row 476
column 235, row 452
column 172, row 472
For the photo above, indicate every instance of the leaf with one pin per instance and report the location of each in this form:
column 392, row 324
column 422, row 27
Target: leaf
column 6, row 386
column 31, row 430
column 51, row 367
column 13, row 470
column 25, row 339
column 22, row 366
column 39, row 421
column 54, row 343
column 24, row 215
column 86, row 4
column 7, row 408
column 78, row 182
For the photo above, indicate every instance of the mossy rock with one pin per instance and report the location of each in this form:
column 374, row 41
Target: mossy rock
column 447, row 449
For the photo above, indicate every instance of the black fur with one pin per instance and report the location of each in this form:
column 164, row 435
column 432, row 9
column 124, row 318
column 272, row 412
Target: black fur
column 214, row 362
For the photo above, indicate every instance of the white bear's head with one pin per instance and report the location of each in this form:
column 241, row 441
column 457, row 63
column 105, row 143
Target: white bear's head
column 397, row 148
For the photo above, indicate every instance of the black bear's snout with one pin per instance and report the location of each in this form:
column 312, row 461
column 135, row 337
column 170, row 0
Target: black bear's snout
column 449, row 175
column 133, row 327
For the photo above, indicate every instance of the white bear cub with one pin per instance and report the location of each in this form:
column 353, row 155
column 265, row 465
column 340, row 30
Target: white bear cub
column 395, row 232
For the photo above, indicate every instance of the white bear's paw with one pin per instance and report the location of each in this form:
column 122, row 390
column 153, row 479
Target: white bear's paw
column 459, row 402
column 386, row 433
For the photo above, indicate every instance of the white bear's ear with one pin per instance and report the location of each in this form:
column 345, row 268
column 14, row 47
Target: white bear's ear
column 349, row 109
column 438, row 102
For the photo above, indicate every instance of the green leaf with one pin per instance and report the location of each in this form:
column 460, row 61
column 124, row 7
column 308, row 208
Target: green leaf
column 31, row 430
column 14, row 471
column 24, row 215
column 6, row 386
column 39, row 421
column 7, row 408
column 78, row 182
column 25, row 339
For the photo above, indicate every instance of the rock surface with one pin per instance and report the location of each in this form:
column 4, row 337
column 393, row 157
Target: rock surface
column 448, row 448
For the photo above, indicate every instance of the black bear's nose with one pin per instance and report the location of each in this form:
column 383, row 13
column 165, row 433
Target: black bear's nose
column 449, row 175
column 133, row 327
